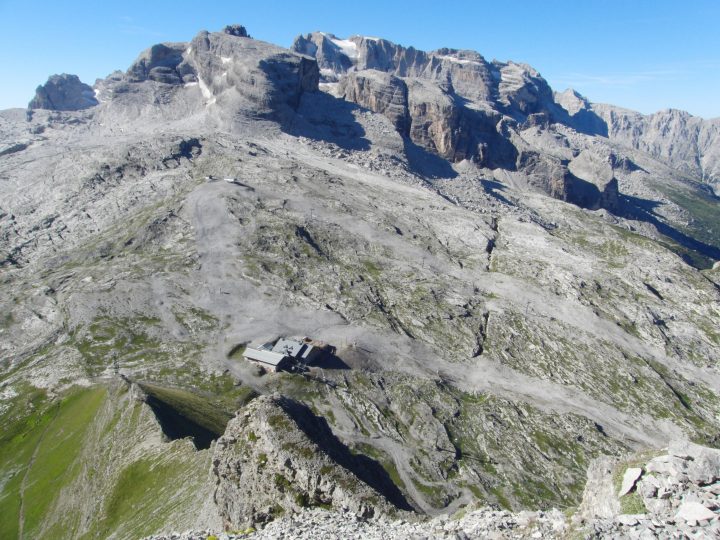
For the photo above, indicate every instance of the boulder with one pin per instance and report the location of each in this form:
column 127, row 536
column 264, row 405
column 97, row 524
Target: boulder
column 693, row 512
column 702, row 464
column 630, row 478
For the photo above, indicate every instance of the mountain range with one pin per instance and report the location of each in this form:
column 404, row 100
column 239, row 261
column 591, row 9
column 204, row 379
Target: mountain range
column 517, row 290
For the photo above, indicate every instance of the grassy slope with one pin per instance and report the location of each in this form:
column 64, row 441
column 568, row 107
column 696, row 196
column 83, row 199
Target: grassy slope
column 85, row 468
column 38, row 451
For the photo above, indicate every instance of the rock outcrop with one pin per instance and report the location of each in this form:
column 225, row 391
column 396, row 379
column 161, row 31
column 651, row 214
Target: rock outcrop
column 380, row 92
column 675, row 494
column 597, row 170
column 236, row 30
column 684, row 141
column 63, row 93
column 276, row 457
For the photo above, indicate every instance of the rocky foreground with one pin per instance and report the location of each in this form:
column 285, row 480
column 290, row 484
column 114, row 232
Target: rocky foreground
column 675, row 494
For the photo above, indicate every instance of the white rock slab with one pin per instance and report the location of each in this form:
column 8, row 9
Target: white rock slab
column 629, row 478
column 692, row 512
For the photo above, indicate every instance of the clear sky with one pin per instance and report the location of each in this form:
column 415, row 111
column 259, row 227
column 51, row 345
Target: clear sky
column 645, row 55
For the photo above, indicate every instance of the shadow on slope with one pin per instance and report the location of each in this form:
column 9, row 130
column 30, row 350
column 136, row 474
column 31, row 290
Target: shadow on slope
column 183, row 414
column 426, row 164
column 493, row 188
column 583, row 121
column 322, row 117
column 694, row 252
column 366, row 469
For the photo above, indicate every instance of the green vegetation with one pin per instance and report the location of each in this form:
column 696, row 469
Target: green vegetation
column 196, row 320
column 128, row 341
column 132, row 487
column 85, row 442
column 6, row 320
column 384, row 459
column 38, row 448
column 278, row 421
column 630, row 503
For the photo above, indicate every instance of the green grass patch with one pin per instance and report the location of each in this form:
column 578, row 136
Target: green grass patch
column 146, row 494
column 39, row 445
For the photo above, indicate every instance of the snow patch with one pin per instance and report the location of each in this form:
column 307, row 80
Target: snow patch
column 225, row 59
column 206, row 92
column 348, row 48
column 457, row 60
column 191, row 84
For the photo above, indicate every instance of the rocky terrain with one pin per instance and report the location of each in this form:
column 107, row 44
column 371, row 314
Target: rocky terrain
column 515, row 294
column 675, row 494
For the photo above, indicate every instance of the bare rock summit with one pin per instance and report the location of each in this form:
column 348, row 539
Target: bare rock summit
column 63, row 93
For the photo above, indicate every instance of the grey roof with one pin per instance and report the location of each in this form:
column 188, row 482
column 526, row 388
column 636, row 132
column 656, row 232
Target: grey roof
column 266, row 357
column 290, row 347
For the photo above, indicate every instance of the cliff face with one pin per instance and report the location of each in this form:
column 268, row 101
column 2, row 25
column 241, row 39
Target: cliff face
column 453, row 104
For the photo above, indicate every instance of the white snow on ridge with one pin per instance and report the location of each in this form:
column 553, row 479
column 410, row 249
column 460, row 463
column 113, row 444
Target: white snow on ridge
column 225, row 59
column 206, row 92
column 348, row 48
column 456, row 60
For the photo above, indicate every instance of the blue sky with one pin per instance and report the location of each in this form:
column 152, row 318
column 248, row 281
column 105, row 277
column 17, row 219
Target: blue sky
column 640, row 54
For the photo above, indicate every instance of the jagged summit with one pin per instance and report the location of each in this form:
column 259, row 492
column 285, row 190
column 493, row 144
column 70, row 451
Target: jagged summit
column 63, row 93
column 236, row 30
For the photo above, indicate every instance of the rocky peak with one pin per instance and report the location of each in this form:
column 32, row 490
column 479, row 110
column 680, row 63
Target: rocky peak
column 572, row 101
column 225, row 70
column 63, row 93
column 164, row 62
column 236, row 30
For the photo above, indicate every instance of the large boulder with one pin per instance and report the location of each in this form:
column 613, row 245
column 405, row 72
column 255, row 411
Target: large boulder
column 63, row 93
